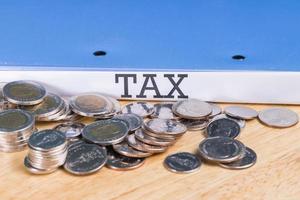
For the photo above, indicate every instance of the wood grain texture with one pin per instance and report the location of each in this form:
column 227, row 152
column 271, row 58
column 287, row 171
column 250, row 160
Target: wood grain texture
column 276, row 174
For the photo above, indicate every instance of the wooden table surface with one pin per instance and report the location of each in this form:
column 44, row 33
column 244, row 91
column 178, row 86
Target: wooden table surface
column 276, row 174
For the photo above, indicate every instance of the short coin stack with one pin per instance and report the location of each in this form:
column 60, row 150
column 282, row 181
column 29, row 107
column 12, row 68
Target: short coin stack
column 16, row 126
column 47, row 151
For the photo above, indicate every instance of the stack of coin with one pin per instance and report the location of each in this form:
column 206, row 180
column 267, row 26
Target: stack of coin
column 47, row 151
column 16, row 126
column 95, row 105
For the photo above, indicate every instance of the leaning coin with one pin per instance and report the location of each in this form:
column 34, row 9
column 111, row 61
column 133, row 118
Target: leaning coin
column 194, row 124
column 120, row 162
column 142, row 109
column 182, row 162
column 24, row 92
column 124, row 149
column 241, row 122
column 223, row 127
column 70, row 129
column 34, row 170
column 221, row 149
column 216, row 110
column 143, row 137
column 192, row 109
column 136, row 144
column 84, row 159
column 241, row 112
column 105, row 132
column 163, row 111
column 165, row 126
column 278, row 117
column 248, row 160
column 134, row 121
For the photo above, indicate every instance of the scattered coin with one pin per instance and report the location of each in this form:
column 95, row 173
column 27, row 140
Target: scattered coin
column 246, row 161
column 143, row 137
column 192, row 109
column 182, row 162
column 165, row 126
column 120, row 162
column 70, row 129
column 142, row 109
column 221, row 149
column 216, row 110
column 278, row 117
column 124, row 149
column 134, row 121
column 223, row 127
column 241, row 112
column 24, row 92
column 241, row 122
column 163, row 111
column 105, row 132
column 84, row 159
column 194, row 124
column 136, row 144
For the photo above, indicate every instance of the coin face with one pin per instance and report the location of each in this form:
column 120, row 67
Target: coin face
column 106, row 132
column 247, row 160
column 46, row 139
column 136, row 144
column 165, row 126
column 216, row 110
column 90, row 104
column 163, row 111
column 124, row 149
column 24, row 92
column 134, row 121
column 192, row 109
column 142, row 109
column 241, row 122
column 70, row 129
column 120, row 162
column 50, row 105
column 182, row 162
column 221, row 149
column 83, row 159
column 194, row 124
column 241, row 112
column 15, row 120
column 278, row 117
column 223, row 127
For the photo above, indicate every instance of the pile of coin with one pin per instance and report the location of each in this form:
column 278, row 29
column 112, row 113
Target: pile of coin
column 47, row 151
column 16, row 126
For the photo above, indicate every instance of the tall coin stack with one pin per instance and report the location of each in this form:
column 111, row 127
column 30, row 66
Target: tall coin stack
column 47, row 151
column 16, row 126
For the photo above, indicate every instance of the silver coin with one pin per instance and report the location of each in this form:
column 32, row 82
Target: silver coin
column 70, row 129
column 142, row 109
column 15, row 120
column 194, row 124
column 182, row 162
column 278, row 117
column 143, row 137
column 120, row 162
column 90, row 104
column 247, row 160
column 124, row 149
column 216, row 110
column 192, row 109
column 223, row 127
column 84, row 159
column 61, row 110
column 50, row 105
column 33, row 170
column 163, row 111
column 165, row 126
column 160, row 135
column 241, row 122
column 136, row 144
column 241, row 112
column 24, row 92
column 105, row 132
column 46, row 140
column 221, row 149
column 133, row 121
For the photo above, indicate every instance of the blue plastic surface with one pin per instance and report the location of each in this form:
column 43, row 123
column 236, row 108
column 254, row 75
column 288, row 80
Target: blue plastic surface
column 150, row 34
